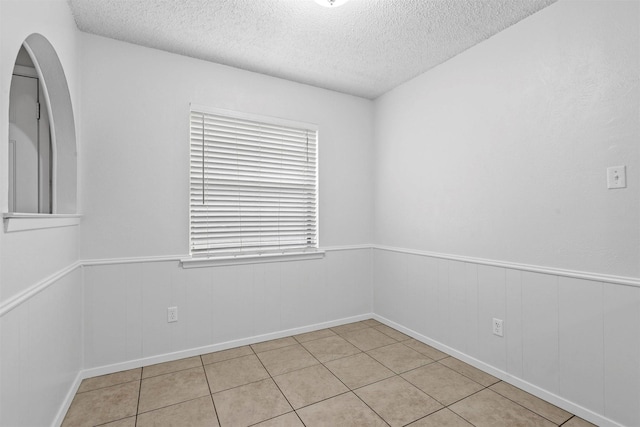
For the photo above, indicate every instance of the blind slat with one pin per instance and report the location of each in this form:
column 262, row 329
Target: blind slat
column 253, row 186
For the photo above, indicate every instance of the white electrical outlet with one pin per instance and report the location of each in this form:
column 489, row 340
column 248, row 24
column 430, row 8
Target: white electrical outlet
column 172, row 314
column 617, row 177
column 498, row 327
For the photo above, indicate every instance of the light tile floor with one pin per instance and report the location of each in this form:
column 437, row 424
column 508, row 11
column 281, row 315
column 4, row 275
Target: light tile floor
column 359, row 374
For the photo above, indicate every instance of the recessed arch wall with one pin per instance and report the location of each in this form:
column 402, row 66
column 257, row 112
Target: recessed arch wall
column 63, row 134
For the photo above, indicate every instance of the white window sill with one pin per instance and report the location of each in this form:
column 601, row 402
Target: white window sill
column 25, row 221
column 195, row 262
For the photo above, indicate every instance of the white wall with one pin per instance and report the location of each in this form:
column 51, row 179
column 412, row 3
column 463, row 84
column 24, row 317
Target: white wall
column 135, row 191
column 40, row 339
column 501, row 152
column 135, row 125
column 498, row 156
column 573, row 342
column 28, row 257
column 126, row 305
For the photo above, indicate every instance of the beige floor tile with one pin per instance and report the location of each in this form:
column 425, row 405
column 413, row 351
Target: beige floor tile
column 368, row 339
column 193, row 413
column 529, row 401
column 309, row 336
column 173, row 366
column 399, row 358
column 345, row 410
column 126, row 422
column 397, row 401
column 578, row 422
column 349, row 327
column 469, row 371
column 309, row 385
column 488, row 409
column 220, row 356
column 425, row 349
column 168, row 389
column 396, row 335
column 273, row 344
column 371, row 322
column 442, row 418
column 286, row 359
column 443, row 384
column 103, row 405
column 234, row 372
column 330, row 348
column 102, row 381
column 286, row 420
column 358, row 370
column 250, row 404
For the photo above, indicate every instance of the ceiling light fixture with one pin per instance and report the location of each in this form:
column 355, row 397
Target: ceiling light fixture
column 330, row 3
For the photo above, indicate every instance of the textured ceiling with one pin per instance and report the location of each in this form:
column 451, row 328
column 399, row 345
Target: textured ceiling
column 363, row 48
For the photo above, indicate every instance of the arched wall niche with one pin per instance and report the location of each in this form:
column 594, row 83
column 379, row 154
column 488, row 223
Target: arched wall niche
column 63, row 133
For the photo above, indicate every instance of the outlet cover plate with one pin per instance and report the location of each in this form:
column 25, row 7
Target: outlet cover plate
column 172, row 314
column 498, row 327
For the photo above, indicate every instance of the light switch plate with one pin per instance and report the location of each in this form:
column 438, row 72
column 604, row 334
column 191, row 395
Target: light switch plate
column 617, row 177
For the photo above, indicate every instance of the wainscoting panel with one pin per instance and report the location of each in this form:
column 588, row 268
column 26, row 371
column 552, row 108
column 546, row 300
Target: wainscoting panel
column 622, row 354
column 570, row 340
column 126, row 304
column 41, row 353
column 540, row 353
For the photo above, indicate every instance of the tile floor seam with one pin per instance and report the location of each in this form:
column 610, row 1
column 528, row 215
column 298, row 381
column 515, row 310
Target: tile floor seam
column 139, row 394
column 396, row 358
column 426, row 416
column 272, row 418
column 341, row 357
column 215, row 411
column 102, row 388
column 567, row 421
column 324, row 399
column 488, row 388
column 466, row 376
column 171, row 372
column 171, row 404
column 368, row 406
column 277, row 385
column 460, row 416
column 224, row 360
column 241, row 385
column 520, row 404
column 463, row 398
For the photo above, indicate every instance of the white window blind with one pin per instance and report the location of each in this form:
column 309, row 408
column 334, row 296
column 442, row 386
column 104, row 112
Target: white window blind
column 253, row 185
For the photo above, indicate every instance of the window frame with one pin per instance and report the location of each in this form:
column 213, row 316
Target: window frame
column 230, row 257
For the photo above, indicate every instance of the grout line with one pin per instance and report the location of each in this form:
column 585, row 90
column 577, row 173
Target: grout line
column 107, row 386
column 139, row 394
column 206, row 377
column 518, row 403
column 323, row 364
column 173, row 404
column 274, row 382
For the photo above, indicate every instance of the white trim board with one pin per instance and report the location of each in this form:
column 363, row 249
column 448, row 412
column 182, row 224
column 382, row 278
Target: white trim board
column 25, row 295
column 597, row 277
column 561, row 402
column 34, row 290
column 66, row 403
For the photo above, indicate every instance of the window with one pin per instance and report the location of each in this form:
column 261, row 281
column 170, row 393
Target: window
column 253, row 185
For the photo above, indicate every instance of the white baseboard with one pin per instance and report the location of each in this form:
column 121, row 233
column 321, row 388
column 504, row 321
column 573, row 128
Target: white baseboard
column 168, row 357
column 66, row 403
column 560, row 402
